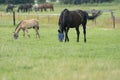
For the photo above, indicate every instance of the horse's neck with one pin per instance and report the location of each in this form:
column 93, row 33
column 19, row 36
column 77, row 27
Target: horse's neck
column 17, row 30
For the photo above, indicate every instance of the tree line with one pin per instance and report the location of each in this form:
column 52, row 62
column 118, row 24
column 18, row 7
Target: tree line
column 61, row 1
column 84, row 1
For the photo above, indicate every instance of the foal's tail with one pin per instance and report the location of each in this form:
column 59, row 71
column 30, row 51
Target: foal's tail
column 94, row 16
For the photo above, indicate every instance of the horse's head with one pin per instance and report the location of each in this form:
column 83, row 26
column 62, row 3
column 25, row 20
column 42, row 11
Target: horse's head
column 15, row 35
column 62, row 23
column 60, row 36
column 60, row 31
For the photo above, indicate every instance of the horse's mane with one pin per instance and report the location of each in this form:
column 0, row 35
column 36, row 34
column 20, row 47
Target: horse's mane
column 61, row 15
column 18, row 24
column 64, row 11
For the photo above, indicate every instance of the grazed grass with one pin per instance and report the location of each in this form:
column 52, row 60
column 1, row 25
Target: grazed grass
column 48, row 59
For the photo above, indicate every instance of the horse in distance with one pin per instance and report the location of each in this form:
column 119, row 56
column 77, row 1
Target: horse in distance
column 39, row 7
column 10, row 8
column 25, row 25
column 36, row 7
column 49, row 6
column 73, row 19
column 43, row 7
column 25, row 7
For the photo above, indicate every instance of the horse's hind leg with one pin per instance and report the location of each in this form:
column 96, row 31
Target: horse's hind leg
column 37, row 33
column 52, row 9
column 78, row 33
column 84, row 32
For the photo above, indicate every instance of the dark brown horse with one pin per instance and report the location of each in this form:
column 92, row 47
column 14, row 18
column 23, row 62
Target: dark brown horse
column 10, row 7
column 73, row 19
column 25, row 25
column 25, row 7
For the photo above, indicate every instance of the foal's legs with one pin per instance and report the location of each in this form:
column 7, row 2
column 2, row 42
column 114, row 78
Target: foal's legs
column 27, row 32
column 78, row 33
column 23, row 32
column 37, row 33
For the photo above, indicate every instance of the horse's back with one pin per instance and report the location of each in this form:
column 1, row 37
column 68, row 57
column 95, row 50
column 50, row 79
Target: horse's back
column 41, row 6
column 48, row 5
column 70, row 18
column 32, row 21
column 29, row 23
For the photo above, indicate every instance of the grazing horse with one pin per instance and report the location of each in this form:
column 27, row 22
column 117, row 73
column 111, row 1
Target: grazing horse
column 21, row 8
column 9, row 8
column 25, row 25
column 49, row 6
column 25, row 7
column 43, row 7
column 73, row 19
column 36, row 7
column 29, row 6
column 39, row 7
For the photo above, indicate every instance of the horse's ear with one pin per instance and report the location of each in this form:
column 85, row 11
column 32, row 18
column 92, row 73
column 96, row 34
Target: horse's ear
column 59, row 31
column 66, row 10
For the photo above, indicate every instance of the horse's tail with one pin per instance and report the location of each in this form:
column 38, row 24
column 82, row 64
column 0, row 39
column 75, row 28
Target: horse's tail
column 94, row 16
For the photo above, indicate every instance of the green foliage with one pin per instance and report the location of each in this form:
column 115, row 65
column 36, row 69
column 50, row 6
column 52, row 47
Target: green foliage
column 15, row 1
column 117, row 1
column 41, row 1
column 62, row 1
column 84, row 1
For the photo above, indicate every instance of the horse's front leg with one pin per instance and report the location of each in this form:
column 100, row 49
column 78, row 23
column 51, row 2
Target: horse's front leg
column 27, row 33
column 23, row 32
column 66, row 34
column 78, row 33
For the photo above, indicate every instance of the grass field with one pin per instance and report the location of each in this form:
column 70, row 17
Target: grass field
column 48, row 59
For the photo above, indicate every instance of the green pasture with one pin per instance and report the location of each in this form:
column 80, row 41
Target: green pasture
column 48, row 59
